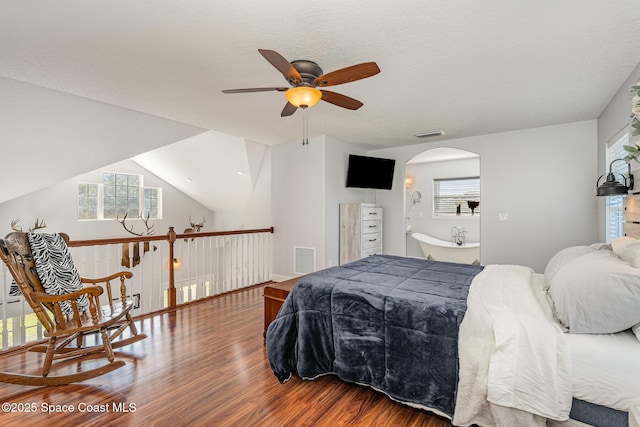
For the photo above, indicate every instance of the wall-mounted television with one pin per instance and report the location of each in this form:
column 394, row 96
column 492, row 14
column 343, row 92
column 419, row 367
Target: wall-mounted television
column 370, row 172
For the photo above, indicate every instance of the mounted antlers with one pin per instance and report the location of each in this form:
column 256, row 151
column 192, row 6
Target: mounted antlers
column 149, row 228
column 38, row 225
column 194, row 227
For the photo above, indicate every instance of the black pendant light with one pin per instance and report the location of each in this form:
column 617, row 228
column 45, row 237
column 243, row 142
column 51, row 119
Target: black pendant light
column 611, row 187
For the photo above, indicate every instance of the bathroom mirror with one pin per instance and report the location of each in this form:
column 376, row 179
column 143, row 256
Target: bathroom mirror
column 439, row 164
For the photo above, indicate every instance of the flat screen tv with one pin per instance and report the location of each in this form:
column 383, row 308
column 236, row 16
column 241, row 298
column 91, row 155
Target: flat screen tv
column 370, row 172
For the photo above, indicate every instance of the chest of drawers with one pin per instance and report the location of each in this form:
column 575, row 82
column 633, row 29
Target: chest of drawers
column 360, row 231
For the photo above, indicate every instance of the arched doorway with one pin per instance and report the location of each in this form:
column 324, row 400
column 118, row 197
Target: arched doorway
column 441, row 192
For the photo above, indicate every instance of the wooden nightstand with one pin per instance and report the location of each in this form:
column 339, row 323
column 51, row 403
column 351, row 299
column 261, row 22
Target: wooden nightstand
column 274, row 296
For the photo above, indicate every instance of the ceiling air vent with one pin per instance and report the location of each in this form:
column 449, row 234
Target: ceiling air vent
column 429, row 134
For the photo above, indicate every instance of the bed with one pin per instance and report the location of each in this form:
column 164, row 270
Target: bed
column 493, row 345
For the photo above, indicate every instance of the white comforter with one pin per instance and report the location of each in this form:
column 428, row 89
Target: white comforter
column 514, row 361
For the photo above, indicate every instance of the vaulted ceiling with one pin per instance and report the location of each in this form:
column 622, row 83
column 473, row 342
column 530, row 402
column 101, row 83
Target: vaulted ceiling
column 465, row 67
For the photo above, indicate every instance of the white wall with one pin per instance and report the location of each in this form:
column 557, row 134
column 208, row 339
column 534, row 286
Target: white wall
column 57, row 205
column 420, row 215
column 220, row 171
column 336, row 192
column 308, row 184
column 297, row 189
column 543, row 178
column 62, row 135
column 257, row 213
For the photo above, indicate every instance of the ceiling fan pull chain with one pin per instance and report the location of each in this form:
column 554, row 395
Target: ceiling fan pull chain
column 305, row 127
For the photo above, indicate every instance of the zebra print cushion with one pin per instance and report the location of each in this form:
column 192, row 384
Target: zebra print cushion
column 14, row 290
column 55, row 268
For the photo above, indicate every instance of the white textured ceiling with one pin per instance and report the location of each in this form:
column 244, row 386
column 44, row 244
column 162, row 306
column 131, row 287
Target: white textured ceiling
column 183, row 165
column 466, row 67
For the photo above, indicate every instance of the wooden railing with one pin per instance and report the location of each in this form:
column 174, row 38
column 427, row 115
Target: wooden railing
column 168, row 270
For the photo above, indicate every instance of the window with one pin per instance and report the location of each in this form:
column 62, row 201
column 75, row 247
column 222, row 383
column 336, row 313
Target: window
column 88, row 201
column 614, row 208
column 118, row 195
column 121, row 195
column 449, row 193
column 153, row 202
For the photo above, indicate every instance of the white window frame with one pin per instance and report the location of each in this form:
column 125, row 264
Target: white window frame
column 451, row 211
column 158, row 198
column 98, row 189
column 614, row 204
column 119, row 198
column 141, row 199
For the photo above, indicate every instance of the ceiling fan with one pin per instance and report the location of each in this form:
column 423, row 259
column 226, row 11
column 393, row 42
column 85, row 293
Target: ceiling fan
column 305, row 76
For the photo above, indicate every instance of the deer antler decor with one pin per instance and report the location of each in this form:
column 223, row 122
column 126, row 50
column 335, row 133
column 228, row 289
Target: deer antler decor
column 15, row 225
column 126, row 262
column 194, row 227
column 149, row 228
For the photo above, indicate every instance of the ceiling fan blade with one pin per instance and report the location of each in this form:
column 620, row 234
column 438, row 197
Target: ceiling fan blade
column 284, row 66
column 256, row 89
column 288, row 110
column 340, row 100
column 349, row 74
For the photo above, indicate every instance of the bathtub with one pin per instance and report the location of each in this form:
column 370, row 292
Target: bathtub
column 443, row 250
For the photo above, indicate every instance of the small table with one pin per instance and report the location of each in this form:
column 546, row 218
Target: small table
column 274, row 296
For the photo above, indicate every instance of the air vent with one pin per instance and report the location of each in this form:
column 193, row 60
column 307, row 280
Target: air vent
column 304, row 260
column 429, row 134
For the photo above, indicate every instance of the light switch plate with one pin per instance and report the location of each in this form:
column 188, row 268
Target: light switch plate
column 503, row 216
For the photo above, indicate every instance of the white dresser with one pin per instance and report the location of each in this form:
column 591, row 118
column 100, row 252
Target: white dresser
column 360, row 231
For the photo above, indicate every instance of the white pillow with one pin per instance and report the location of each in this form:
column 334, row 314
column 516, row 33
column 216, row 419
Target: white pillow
column 597, row 293
column 562, row 258
column 628, row 249
column 620, row 242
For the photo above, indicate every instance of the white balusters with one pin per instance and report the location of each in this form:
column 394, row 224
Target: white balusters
column 205, row 266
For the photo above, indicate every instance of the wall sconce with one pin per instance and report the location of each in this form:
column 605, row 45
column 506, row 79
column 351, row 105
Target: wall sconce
column 177, row 263
column 611, row 187
column 408, row 182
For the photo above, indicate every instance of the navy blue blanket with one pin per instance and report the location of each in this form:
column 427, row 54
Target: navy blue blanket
column 385, row 321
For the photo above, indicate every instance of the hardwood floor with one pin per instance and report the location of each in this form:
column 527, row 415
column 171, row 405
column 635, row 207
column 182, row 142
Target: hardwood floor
column 203, row 364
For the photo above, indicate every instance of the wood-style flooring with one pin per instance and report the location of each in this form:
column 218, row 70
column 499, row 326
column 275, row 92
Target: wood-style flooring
column 202, row 365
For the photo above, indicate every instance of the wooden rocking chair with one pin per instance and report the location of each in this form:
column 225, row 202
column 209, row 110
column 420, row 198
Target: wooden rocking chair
column 67, row 332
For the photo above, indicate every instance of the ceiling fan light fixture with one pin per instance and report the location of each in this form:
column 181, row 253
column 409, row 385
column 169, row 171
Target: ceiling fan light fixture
column 303, row 96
